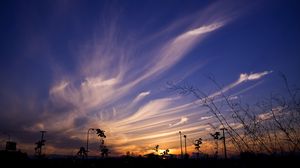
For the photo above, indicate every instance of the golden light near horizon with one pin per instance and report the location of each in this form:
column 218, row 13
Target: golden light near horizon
column 143, row 76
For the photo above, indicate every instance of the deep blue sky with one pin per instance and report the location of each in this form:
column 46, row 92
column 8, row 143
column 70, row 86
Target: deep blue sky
column 66, row 66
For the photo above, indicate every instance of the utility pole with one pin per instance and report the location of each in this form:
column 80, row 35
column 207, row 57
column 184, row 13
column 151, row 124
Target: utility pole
column 185, row 145
column 224, row 142
column 180, row 144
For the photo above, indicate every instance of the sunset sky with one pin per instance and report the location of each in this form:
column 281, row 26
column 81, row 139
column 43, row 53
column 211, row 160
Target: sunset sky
column 70, row 65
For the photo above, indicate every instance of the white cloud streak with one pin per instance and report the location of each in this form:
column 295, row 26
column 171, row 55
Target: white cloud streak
column 183, row 120
column 110, row 69
column 244, row 77
column 177, row 48
column 141, row 96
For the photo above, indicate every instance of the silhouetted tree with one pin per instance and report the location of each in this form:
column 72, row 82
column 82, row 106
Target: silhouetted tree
column 216, row 137
column 104, row 151
column 270, row 126
column 165, row 153
column 100, row 133
column 82, row 153
column 156, row 148
column 214, row 108
column 197, row 144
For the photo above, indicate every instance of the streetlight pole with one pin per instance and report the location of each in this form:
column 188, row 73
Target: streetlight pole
column 185, row 145
column 180, row 144
column 87, row 140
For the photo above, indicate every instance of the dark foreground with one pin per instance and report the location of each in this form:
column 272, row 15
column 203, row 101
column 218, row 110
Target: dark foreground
column 130, row 162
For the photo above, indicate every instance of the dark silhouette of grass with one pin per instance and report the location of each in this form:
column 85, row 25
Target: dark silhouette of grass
column 245, row 160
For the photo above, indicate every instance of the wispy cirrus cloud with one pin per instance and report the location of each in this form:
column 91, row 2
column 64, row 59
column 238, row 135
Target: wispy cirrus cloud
column 109, row 86
column 244, row 77
column 182, row 121
column 253, row 76
column 141, row 96
column 177, row 48
column 206, row 117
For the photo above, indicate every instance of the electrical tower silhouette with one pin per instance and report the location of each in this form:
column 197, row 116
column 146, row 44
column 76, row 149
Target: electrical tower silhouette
column 39, row 145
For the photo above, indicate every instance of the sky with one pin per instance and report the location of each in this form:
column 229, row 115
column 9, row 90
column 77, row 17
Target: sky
column 67, row 66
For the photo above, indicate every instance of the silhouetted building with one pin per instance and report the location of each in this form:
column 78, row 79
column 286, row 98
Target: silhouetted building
column 11, row 146
column 11, row 152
